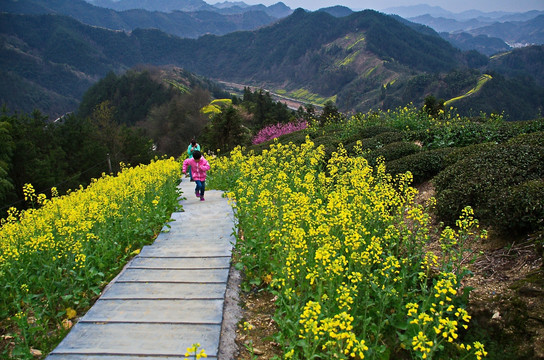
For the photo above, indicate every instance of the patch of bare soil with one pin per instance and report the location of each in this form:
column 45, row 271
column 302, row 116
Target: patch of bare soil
column 255, row 333
column 508, row 295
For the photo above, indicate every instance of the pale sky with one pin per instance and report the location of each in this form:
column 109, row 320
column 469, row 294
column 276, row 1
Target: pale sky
column 453, row 6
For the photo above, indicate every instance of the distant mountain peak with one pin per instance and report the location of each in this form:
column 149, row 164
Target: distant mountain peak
column 417, row 10
column 153, row 5
column 229, row 4
column 337, row 11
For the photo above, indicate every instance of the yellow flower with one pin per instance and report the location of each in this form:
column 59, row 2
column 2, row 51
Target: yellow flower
column 70, row 313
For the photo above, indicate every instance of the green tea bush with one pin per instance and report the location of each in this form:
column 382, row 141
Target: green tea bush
column 484, row 181
column 532, row 139
column 330, row 142
column 466, row 152
column 423, row 165
column 392, row 151
column 512, row 129
column 373, row 143
column 371, row 131
column 468, row 132
column 388, row 137
column 525, row 204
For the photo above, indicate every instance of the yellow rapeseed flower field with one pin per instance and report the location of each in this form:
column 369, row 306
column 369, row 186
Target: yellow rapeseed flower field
column 341, row 244
column 55, row 258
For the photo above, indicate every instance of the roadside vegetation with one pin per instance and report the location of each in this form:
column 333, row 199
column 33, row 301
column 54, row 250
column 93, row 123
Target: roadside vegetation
column 356, row 261
column 57, row 256
column 379, row 234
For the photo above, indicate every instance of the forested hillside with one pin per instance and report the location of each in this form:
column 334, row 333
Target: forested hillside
column 127, row 119
column 361, row 62
column 132, row 118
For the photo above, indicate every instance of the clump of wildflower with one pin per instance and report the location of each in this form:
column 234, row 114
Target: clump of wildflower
column 273, row 131
column 193, row 352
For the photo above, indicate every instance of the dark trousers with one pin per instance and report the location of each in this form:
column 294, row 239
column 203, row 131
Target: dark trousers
column 200, row 187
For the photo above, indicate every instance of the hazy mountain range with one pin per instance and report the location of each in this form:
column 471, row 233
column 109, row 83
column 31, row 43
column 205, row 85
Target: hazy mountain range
column 361, row 60
column 194, row 18
column 188, row 24
column 278, row 10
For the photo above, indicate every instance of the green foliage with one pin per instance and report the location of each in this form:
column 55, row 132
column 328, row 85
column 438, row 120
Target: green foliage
column 531, row 139
column 458, row 154
column 373, row 130
column 36, row 158
column 423, row 165
column 433, row 106
column 173, row 124
column 140, row 98
column 132, row 94
column 473, row 161
column 225, row 131
column 392, row 151
column 382, row 139
column 519, row 98
column 394, row 41
column 520, row 209
column 63, row 154
column 330, row 113
column 461, row 132
column 524, row 62
column 372, row 143
column 485, row 179
column 6, row 152
column 330, row 143
column 264, row 109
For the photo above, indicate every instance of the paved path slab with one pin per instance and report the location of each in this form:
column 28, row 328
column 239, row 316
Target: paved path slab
column 174, row 276
column 139, row 339
column 164, row 291
column 174, row 263
column 168, row 297
column 157, row 311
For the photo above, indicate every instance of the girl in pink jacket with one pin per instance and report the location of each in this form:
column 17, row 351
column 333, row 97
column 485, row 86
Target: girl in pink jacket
column 199, row 167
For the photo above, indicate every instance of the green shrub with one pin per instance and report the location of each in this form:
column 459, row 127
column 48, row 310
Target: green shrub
column 484, row 180
column 392, row 151
column 512, row 129
column 381, row 140
column 473, row 132
column 423, row 165
column 466, row 152
column 523, row 203
column 330, row 142
column 371, row 131
column 453, row 135
column 532, row 139
column 389, row 137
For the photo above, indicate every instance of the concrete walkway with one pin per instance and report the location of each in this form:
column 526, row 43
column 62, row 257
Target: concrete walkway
column 168, row 297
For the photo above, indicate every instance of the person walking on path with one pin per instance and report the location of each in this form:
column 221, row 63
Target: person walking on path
column 193, row 146
column 199, row 167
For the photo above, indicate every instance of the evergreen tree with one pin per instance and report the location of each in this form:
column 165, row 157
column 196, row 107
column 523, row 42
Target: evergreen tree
column 433, row 106
column 37, row 158
column 225, row 131
column 86, row 158
column 330, row 112
column 109, row 131
column 6, row 152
